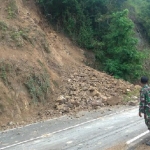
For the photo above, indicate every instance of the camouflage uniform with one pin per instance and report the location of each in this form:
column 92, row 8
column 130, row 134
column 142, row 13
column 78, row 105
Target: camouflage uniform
column 145, row 104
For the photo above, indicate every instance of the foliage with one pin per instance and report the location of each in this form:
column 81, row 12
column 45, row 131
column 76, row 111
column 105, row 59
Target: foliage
column 38, row 86
column 121, row 58
column 144, row 19
column 12, row 9
column 17, row 36
column 130, row 94
column 3, row 26
column 5, row 69
column 45, row 45
column 97, row 26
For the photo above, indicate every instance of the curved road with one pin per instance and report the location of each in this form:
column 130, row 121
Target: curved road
column 87, row 131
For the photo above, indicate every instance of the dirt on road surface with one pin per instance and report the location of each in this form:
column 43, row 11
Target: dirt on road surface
column 118, row 147
column 44, row 75
column 143, row 147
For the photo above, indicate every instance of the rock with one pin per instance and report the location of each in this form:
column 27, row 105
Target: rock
column 77, row 104
column 85, row 88
column 104, row 98
column 95, row 93
column 114, row 100
column 134, row 97
column 97, row 103
column 67, row 97
column 59, row 107
column 70, row 105
column 128, row 90
column 132, row 103
column 73, row 93
column 62, row 108
column 91, row 89
column 61, row 99
column 11, row 123
column 39, row 114
column 3, row 125
column 137, row 87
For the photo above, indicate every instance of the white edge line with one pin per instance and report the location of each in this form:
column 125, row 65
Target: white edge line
column 137, row 137
column 23, row 126
column 57, row 118
column 71, row 127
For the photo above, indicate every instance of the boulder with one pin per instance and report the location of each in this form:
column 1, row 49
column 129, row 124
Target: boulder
column 114, row 100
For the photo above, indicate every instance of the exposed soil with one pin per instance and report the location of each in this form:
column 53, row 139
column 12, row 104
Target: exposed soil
column 43, row 74
column 118, row 147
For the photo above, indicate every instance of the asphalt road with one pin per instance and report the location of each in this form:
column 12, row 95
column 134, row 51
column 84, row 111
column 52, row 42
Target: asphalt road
column 97, row 130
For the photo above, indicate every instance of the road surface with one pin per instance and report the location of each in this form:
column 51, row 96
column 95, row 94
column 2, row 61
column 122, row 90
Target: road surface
column 95, row 130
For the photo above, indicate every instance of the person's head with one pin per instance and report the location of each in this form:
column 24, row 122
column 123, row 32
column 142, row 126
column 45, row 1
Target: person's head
column 144, row 80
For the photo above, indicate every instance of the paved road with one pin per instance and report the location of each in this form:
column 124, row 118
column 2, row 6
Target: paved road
column 90, row 131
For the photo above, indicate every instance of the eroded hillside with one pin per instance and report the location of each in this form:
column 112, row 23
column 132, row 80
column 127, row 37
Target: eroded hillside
column 42, row 73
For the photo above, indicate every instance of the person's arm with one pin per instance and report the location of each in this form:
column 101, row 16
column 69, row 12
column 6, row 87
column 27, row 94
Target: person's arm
column 142, row 102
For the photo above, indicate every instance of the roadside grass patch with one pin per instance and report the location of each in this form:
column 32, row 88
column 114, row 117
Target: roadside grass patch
column 18, row 35
column 5, row 69
column 1, row 108
column 3, row 26
column 55, row 83
column 45, row 45
column 12, row 9
column 38, row 85
column 129, row 96
column 13, row 35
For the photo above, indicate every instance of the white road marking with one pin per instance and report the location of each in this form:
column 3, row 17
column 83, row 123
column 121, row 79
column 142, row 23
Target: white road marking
column 32, row 124
column 137, row 137
column 71, row 127
column 69, row 142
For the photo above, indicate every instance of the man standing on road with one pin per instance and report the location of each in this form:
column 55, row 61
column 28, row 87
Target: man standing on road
column 144, row 106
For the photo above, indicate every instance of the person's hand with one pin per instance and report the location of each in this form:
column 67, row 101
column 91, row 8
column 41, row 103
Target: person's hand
column 140, row 114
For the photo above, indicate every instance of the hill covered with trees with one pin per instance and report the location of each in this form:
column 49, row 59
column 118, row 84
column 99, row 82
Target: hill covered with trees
column 105, row 28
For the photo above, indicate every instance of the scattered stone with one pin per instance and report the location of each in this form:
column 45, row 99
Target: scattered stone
column 95, row 93
column 61, row 99
column 132, row 103
column 114, row 101
column 11, row 123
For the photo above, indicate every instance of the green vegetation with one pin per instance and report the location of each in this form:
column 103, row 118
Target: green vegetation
column 101, row 26
column 45, row 45
column 5, row 69
column 36, row 81
column 12, row 9
column 136, row 5
column 18, row 36
column 38, row 86
column 144, row 19
column 1, row 108
column 120, row 57
column 14, row 35
column 3, row 26
column 130, row 94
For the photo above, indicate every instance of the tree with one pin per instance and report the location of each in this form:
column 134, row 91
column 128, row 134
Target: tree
column 144, row 19
column 95, row 25
column 119, row 56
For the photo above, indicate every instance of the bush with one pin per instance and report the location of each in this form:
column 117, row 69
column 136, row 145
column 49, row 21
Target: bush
column 120, row 57
column 38, row 86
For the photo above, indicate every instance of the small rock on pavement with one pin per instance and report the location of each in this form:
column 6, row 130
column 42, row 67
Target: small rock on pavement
column 114, row 100
column 132, row 103
column 10, row 123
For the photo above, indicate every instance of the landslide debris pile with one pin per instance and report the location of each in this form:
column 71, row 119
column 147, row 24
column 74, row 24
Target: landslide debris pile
column 42, row 74
column 86, row 88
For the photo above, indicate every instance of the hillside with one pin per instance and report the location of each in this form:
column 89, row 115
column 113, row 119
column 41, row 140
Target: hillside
column 43, row 74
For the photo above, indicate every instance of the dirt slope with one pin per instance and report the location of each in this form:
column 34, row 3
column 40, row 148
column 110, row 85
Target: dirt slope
column 42, row 73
